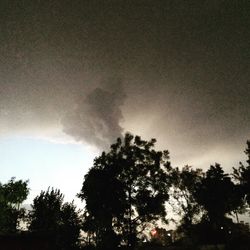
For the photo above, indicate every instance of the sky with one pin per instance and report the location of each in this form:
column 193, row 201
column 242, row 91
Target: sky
column 75, row 75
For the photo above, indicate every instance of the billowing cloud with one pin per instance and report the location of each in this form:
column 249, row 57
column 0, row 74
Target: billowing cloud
column 96, row 117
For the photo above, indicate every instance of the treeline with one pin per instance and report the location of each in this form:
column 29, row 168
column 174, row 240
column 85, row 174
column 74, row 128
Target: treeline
column 125, row 194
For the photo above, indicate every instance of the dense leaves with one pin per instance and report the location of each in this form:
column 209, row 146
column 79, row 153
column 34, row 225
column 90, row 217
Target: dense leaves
column 59, row 221
column 12, row 194
column 218, row 194
column 242, row 174
column 183, row 187
column 126, row 188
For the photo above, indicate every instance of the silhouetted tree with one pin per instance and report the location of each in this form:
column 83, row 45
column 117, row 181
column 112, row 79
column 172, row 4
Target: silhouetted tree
column 242, row 174
column 218, row 195
column 71, row 224
column 12, row 194
column 60, row 221
column 183, row 186
column 104, row 196
column 125, row 189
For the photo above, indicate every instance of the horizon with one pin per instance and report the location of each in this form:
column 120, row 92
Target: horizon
column 40, row 161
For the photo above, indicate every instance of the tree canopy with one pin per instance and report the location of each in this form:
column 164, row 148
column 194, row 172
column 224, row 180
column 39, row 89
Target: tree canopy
column 242, row 174
column 218, row 194
column 59, row 220
column 183, row 185
column 129, row 185
column 12, row 194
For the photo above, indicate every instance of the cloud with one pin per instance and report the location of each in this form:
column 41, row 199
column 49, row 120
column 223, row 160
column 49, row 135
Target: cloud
column 96, row 117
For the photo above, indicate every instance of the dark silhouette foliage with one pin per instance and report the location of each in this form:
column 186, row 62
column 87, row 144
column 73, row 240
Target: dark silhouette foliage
column 59, row 221
column 183, row 186
column 242, row 174
column 219, row 196
column 125, row 189
column 12, row 194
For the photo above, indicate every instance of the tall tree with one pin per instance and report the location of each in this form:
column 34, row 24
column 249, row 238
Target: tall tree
column 218, row 195
column 183, row 186
column 127, row 188
column 12, row 194
column 104, row 196
column 242, row 174
column 61, row 221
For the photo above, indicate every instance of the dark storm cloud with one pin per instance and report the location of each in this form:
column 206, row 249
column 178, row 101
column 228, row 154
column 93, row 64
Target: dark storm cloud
column 96, row 117
column 184, row 67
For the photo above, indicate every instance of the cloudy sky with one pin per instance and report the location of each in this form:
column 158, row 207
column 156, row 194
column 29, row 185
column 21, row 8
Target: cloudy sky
column 74, row 75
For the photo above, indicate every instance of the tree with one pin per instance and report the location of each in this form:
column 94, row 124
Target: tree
column 126, row 188
column 71, row 224
column 242, row 174
column 60, row 221
column 104, row 196
column 218, row 195
column 183, row 186
column 12, row 194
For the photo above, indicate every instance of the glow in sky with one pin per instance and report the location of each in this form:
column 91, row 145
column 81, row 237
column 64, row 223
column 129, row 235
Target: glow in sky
column 45, row 164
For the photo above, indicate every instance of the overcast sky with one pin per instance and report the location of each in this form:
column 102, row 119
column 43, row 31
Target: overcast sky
column 88, row 71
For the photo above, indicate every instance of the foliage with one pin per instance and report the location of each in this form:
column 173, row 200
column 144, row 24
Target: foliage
column 125, row 189
column 242, row 174
column 51, row 216
column 12, row 194
column 218, row 194
column 184, row 204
